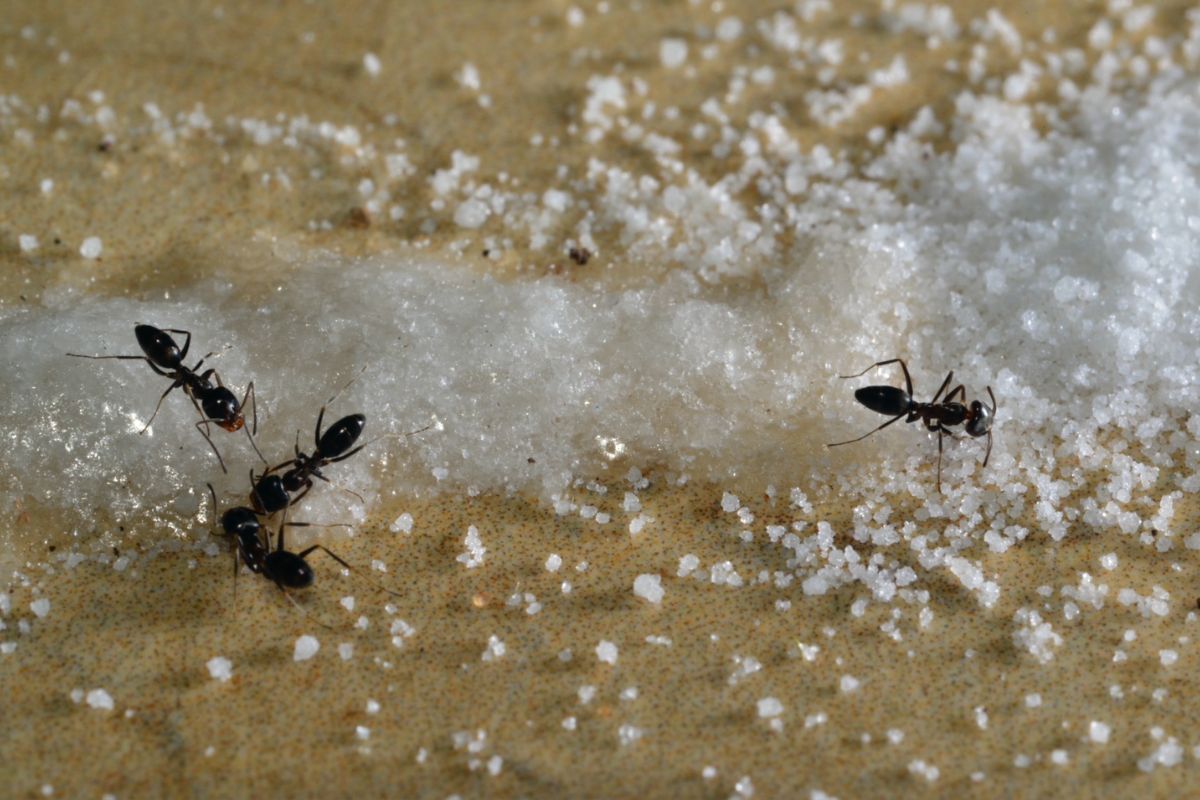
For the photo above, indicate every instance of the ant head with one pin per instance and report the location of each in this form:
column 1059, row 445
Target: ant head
column 158, row 346
column 289, row 569
column 222, row 406
column 979, row 420
column 240, row 521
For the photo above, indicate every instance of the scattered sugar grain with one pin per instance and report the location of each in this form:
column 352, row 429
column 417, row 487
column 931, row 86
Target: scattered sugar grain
column 769, row 707
column 672, row 53
column 100, row 699
column 649, row 588
column 495, row 649
column 306, row 647
column 91, row 248
column 40, row 607
column 606, row 651
column 220, row 668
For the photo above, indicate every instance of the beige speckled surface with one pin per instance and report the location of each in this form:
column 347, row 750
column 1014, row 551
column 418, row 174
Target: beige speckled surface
column 173, row 215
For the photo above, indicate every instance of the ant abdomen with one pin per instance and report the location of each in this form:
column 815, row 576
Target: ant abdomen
column 341, row 436
column 288, row 569
column 888, row 400
column 158, row 346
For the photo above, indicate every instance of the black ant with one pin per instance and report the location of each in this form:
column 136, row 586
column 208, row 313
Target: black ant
column 285, row 569
column 938, row 416
column 215, row 404
column 273, row 493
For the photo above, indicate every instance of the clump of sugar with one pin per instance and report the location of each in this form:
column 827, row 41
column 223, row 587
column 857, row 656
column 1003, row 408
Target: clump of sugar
column 100, row 699
column 495, row 649
column 649, row 588
column 1035, row 635
column 473, row 557
column 606, row 651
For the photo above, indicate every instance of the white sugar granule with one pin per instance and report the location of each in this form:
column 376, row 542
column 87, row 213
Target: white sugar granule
column 649, row 588
column 306, row 647
column 91, row 247
column 606, row 651
column 98, row 698
column 220, row 668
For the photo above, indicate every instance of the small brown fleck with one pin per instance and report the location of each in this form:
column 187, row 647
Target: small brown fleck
column 580, row 255
column 357, row 218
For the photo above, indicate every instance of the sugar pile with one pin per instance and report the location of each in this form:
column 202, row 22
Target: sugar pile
column 1053, row 266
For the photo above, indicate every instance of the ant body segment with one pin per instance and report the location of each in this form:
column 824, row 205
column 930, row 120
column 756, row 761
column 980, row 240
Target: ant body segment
column 215, row 403
column 937, row 415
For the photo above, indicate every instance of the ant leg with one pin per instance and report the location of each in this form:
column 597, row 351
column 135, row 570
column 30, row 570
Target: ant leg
column 941, row 433
column 988, row 454
column 338, row 559
column 900, row 361
column 989, row 390
column 207, row 423
column 170, row 388
column 344, row 456
column 942, row 388
column 396, row 436
column 253, row 405
column 300, row 496
column 318, row 524
column 123, row 358
column 959, row 390
column 865, row 435
column 187, row 341
column 317, row 435
column 300, row 608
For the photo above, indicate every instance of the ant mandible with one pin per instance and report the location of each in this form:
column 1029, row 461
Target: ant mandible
column 215, row 404
column 938, row 416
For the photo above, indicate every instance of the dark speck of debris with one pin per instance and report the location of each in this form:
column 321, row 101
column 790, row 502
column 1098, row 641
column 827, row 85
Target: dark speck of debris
column 357, row 218
column 580, row 255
